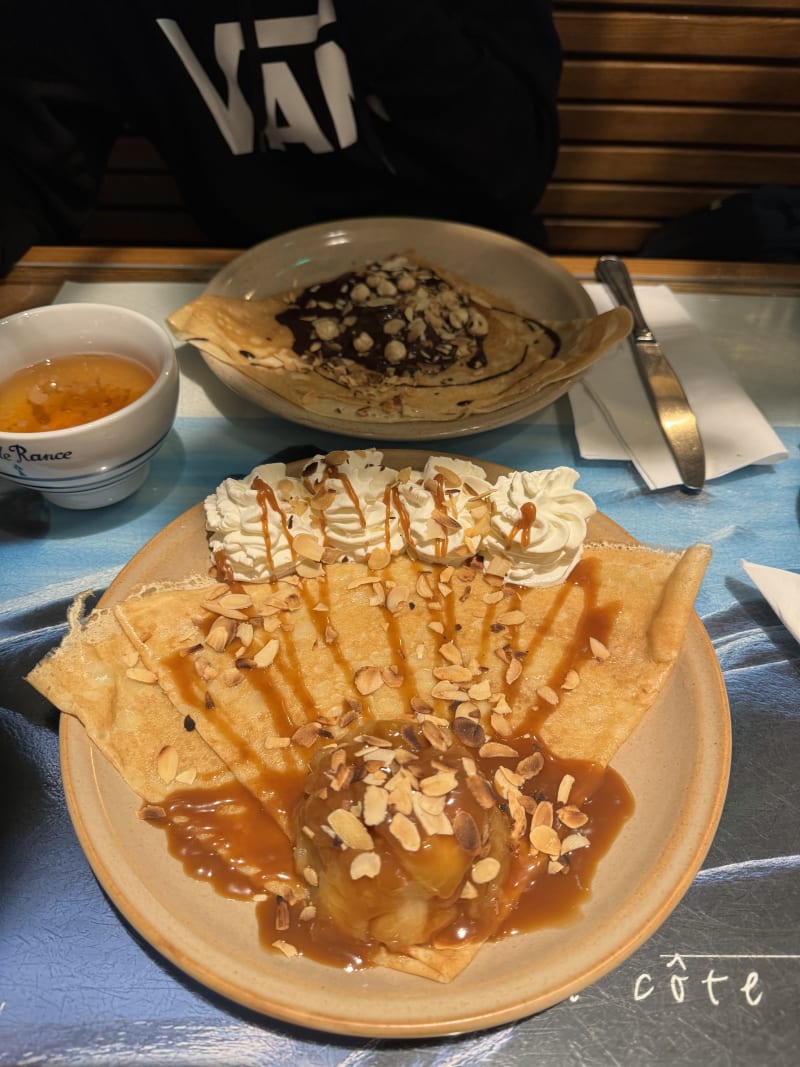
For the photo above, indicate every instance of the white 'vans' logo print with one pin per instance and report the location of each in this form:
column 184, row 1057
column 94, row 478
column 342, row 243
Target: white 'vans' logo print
column 282, row 94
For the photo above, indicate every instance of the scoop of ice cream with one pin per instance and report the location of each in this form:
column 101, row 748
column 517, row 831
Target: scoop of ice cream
column 537, row 525
column 444, row 510
column 396, row 846
column 252, row 523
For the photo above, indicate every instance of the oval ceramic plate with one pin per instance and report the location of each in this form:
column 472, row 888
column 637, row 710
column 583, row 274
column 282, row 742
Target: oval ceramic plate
column 519, row 272
column 680, row 751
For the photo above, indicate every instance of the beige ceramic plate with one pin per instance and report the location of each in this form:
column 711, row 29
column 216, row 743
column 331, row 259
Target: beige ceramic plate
column 522, row 274
column 676, row 765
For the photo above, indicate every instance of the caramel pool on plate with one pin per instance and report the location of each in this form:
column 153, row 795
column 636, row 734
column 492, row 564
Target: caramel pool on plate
column 70, row 390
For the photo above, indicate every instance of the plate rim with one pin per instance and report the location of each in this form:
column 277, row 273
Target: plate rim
column 71, row 733
column 400, row 430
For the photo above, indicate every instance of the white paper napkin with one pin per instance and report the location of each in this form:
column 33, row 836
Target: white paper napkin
column 781, row 590
column 614, row 419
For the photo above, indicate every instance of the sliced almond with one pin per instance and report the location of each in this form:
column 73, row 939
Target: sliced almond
column 573, row 818
column 187, row 777
column 480, row 690
column 495, row 750
column 599, row 650
column 545, row 839
column 367, row 680
column 493, row 597
column 350, row 830
column 375, row 805
column 436, row 785
column 573, row 842
column 466, row 832
column 571, row 680
column 485, row 870
column 543, row 816
column 547, row 694
column 167, row 764
column 511, row 618
column 392, row 677
column 306, row 735
column 283, row 946
column 513, row 671
column 405, row 831
column 481, row 791
column 265, row 656
column 423, row 587
column 365, row 865
column 396, row 598
column 564, row 788
column 451, row 653
column 378, row 558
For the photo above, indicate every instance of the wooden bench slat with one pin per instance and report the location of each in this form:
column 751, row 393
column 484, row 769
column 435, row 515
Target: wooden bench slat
column 719, row 83
column 628, row 201
column 596, row 236
column 740, row 7
column 651, row 163
column 685, row 34
column 679, row 124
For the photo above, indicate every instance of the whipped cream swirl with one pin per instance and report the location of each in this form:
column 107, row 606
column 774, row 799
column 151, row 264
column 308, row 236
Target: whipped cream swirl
column 538, row 523
column 529, row 527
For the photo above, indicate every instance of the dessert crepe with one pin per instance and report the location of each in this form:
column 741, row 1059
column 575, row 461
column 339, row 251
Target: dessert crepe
column 397, row 340
column 369, row 706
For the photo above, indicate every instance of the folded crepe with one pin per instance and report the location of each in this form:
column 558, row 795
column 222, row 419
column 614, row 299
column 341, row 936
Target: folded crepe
column 277, row 678
column 395, row 341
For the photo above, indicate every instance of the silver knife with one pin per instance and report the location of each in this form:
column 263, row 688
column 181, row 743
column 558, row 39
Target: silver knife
column 675, row 416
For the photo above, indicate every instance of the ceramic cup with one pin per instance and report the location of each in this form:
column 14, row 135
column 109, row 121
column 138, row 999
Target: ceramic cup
column 99, row 462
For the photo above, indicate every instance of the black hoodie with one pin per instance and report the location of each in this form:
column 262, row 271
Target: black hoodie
column 273, row 115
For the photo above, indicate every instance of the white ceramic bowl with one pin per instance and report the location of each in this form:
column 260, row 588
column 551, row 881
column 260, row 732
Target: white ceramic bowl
column 99, row 462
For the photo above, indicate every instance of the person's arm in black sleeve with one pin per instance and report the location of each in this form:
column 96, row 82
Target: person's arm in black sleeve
column 469, row 90
column 57, row 129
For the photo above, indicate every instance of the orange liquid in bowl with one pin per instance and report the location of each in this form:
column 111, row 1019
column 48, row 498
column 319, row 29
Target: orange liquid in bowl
column 70, row 391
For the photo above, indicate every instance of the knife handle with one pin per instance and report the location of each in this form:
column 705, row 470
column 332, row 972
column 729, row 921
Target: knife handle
column 611, row 271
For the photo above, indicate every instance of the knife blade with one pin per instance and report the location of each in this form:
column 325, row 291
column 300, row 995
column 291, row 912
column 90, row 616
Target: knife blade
column 675, row 417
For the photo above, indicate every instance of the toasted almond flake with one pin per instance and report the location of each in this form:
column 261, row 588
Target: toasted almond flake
column 306, row 735
column 322, row 499
column 367, row 680
column 404, row 830
column 501, row 705
column 513, row 671
column 266, row 655
column 150, row 812
column 557, row 866
column 453, row 673
column 466, row 832
column 480, row 690
column 545, row 839
column 447, row 691
column 187, row 777
column 506, row 781
column 495, row 750
column 485, row 870
column 498, row 566
column 468, row 731
column 433, row 822
column 451, row 653
column 309, row 570
column 392, row 677
column 572, row 842
column 423, row 587
column 245, row 634
column 573, row 818
column 449, row 477
column 599, row 650
column 447, row 522
column 396, row 598
column 283, row 946
column 130, row 659
column 365, row 865
column 436, row 785
column 167, row 764
column 277, row 742
column 511, row 618
column 309, row 873
column 336, row 458
column 501, row 726
column 571, row 680
column 564, row 788
column 231, row 677
column 350, row 830
column 282, row 915
column 493, row 597
column 419, row 706
column 308, row 913
column 437, row 627
column 141, row 674
column 547, row 694
column 530, row 766
column 446, row 574
column 218, row 608
column 543, row 816
column 378, row 559
column 469, row 892
column 308, row 547
column 235, row 601
column 435, row 736
column 481, row 791
column 375, row 805
column 367, row 579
